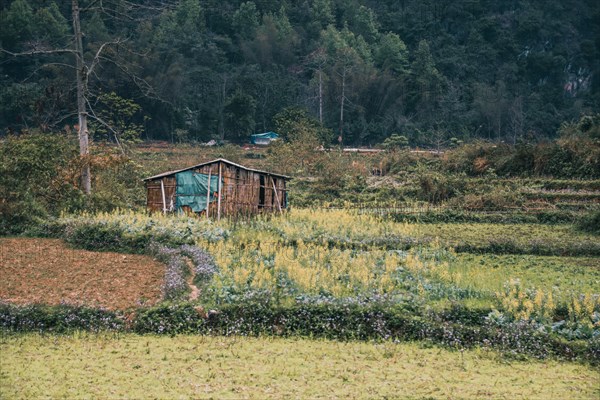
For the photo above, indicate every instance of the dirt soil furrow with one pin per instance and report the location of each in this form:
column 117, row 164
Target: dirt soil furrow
column 47, row 271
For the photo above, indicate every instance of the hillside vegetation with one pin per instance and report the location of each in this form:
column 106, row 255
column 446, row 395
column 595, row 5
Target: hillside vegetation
column 362, row 70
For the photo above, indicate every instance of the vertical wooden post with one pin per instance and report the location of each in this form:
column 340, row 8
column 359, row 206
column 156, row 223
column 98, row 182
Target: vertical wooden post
column 162, row 189
column 276, row 195
column 208, row 193
column 219, row 199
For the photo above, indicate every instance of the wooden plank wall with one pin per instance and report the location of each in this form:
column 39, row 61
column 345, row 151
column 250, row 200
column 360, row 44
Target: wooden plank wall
column 154, row 201
column 240, row 192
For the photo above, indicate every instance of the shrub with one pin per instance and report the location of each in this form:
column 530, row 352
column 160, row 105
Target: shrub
column 169, row 319
column 104, row 236
column 509, row 245
column 456, row 328
column 116, row 182
column 496, row 199
column 590, row 223
column 435, row 187
column 174, row 285
column 471, row 158
column 204, row 264
column 38, row 177
column 395, row 142
column 58, row 319
column 131, row 232
column 453, row 215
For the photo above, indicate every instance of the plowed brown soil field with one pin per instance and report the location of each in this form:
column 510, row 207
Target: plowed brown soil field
column 48, row 271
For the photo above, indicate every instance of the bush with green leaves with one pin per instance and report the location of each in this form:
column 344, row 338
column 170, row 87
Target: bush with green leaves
column 58, row 319
column 395, row 142
column 38, row 178
column 130, row 232
column 436, row 187
column 295, row 124
column 590, row 223
column 455, row 328
column 459, row 215
column 576, row 154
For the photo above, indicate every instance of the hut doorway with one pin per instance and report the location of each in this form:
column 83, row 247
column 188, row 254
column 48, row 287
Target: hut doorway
column 261, row 193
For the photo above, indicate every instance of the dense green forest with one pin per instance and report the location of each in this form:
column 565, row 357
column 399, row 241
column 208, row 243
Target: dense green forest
column 193, row 70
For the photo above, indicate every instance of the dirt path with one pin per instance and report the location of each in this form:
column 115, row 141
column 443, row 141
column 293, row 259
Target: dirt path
column 194, row 291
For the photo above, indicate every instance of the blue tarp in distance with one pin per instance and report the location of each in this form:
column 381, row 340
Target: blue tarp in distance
column 263, row 137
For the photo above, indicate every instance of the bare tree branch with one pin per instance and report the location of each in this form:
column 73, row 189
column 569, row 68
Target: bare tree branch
column 111, row 9
column 146, row 88
column 45, row 66
column 96, row 59
column 90, row 6
column 35, row 51
column 106, row 125
column 55, row 123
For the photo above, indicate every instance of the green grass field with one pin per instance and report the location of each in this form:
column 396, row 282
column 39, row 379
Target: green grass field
column 130, row 366
column 564, row 275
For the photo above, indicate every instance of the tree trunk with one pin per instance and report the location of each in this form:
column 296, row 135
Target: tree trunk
column 84, row 151
column 320, row 96
column 264, row 107
column 222, row 109
column 516, row 118
column 341, row 136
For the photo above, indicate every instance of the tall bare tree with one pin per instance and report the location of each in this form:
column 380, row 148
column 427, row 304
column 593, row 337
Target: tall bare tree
column 317, row 61
column 85, row 68
column 82, row 74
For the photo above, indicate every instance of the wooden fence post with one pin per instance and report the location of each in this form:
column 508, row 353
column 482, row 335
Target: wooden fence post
column 208, row 193
column 276, row 195
column 164, row 200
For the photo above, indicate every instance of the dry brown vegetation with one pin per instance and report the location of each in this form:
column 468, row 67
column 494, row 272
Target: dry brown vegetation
column 47, row 271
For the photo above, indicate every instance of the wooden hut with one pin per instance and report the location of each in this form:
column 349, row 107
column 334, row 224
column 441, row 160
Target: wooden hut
column 216, row 189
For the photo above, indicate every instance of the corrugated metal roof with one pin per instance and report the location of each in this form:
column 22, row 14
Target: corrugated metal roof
column 212, row 162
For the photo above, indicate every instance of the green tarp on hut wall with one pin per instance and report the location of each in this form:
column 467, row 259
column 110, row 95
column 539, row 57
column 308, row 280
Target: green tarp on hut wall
column 191, row 190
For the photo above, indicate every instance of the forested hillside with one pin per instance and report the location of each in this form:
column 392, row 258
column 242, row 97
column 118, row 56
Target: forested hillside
column 201, row 69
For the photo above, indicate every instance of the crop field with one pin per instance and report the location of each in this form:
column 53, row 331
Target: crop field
column 49, row 272
column 418, row 309
column 338, row 256
column 130, row 366
column 323, row 256
column 316, row 256
column 564, row 275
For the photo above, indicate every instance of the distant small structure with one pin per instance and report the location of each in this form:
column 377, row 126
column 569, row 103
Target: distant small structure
column 362, row 150
column 263, row 138
column 217, row 188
